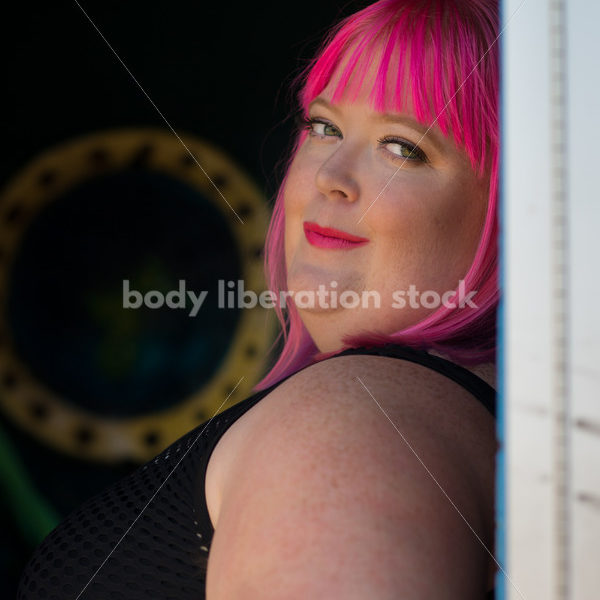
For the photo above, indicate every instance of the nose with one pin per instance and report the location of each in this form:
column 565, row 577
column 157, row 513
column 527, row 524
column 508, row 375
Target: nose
column 335, row 179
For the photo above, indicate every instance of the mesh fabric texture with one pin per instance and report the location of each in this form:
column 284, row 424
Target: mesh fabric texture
column 148, row 535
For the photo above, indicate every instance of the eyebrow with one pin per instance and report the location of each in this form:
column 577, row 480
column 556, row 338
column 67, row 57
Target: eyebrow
column 424, row 132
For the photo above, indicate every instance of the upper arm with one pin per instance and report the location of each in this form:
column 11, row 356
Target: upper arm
column 330, row 499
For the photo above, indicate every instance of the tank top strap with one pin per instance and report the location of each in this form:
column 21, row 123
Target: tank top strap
column 213, row 431
column 484, row 392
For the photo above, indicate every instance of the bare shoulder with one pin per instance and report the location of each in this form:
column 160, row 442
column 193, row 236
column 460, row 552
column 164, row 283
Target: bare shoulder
column 365, row 471
column 346, row 391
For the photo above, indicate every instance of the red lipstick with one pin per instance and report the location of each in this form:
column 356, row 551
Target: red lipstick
column 327, row 237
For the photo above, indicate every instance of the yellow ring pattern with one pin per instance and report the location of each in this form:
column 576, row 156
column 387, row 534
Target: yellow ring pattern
column 43, row 413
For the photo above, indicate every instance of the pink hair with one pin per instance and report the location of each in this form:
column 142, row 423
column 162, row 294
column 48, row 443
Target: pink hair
column 451, row 61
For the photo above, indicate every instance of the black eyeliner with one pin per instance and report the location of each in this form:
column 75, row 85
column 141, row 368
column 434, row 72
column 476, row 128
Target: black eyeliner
column 414, row 150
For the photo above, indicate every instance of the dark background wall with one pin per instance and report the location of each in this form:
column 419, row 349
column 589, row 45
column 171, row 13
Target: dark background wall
column 218, row 70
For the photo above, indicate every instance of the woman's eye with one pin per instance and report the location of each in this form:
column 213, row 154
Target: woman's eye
column 403, row 149
column 322, row 128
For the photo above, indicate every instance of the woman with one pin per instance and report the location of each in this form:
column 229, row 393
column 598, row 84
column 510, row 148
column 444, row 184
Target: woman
column 359, row 476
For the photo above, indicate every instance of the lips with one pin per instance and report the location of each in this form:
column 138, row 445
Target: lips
column 327, row 237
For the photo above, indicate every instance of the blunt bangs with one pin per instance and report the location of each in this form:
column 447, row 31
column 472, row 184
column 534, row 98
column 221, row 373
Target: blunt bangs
column 421, row 51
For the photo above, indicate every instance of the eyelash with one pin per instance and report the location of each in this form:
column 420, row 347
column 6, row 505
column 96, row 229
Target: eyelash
column 415, row 153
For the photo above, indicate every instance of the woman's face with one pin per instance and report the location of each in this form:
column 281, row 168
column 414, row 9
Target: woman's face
column 417, row 205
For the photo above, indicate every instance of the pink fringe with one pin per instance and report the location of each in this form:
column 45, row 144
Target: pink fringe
column 453, row 86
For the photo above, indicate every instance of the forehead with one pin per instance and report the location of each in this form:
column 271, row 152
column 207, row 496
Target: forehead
column 383, row 83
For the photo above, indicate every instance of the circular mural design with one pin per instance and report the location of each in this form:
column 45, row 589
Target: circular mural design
column 91, row 230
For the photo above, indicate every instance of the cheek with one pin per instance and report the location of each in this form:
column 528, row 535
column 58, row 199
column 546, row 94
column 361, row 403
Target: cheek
column 300, row 179
column 467, row 212
column 294, row 200
column 292, row 192
column 459, row 225
column 407, row 217
column 428, row 224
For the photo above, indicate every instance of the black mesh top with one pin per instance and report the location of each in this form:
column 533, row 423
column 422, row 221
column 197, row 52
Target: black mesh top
column 148, row 536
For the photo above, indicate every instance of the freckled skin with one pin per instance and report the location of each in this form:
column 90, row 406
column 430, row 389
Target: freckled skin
column 312, row 492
